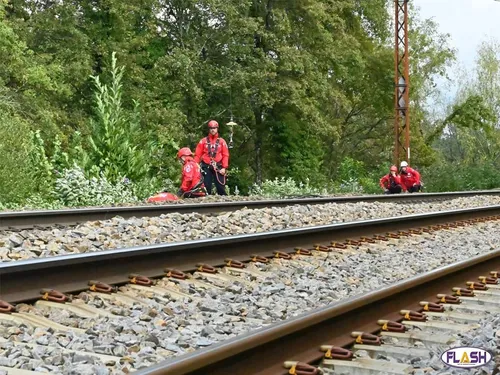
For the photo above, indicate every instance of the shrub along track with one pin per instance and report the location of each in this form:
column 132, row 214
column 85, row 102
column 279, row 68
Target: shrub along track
column 23, row 282
column 47, row 218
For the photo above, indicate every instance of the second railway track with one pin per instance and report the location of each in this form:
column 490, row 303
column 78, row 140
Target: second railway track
column 216, row 262
column 46, row 218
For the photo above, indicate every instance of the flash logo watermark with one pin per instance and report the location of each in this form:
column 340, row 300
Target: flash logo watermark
column 466, row 357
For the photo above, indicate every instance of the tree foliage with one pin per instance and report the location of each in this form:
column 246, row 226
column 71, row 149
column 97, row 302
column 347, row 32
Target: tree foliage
column 469, row 134
column 118, row 145
column 310, row 84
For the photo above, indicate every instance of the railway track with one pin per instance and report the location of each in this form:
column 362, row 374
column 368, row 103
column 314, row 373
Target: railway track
column 44, row 218
column 155, row 272
column 429, row 310
column 409, row 320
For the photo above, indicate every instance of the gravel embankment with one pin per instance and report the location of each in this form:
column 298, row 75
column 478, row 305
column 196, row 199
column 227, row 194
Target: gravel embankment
column 162, row 327
column 119, row 232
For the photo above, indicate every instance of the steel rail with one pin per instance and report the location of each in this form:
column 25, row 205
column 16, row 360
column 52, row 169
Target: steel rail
column 21, row 281
column 29, row 219
column 263, row 352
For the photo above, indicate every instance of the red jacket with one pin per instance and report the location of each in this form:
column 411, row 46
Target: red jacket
column 218, row 151
column 388, row 180
column 191, row 174
column 411, row 177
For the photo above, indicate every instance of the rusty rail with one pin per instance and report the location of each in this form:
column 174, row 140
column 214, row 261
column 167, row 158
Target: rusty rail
column 29, row 219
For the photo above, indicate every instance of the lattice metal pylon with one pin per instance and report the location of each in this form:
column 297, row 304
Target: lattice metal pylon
column 402, row 84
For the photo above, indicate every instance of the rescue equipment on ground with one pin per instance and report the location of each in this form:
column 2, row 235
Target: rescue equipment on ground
column 163, row 197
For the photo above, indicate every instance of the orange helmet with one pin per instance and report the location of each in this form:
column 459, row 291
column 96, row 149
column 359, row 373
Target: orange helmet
column 185, row 151
column 394, row 168
column 213, row 124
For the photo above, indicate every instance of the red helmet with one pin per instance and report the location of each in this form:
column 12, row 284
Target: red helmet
column 185, row 151
column 394, row 168
column 213, row 124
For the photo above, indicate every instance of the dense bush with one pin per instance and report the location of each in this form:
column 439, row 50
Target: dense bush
column 447, row 177
column 73, row 188
column 284, row 187
column 16, row 179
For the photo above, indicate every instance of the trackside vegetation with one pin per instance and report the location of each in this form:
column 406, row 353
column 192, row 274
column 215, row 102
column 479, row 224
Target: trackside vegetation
column 97, row 97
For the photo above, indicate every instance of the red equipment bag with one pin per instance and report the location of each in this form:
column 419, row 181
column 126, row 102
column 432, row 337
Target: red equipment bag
column 163, row 197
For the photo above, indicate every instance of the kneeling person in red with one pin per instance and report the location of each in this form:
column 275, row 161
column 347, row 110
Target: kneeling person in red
column 391, row 182
column 410, row 178
column 192, row 181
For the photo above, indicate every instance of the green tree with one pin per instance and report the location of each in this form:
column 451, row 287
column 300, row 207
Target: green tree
column 469, row 134
column 310, row 83
column 431, row 56
column 119, row 147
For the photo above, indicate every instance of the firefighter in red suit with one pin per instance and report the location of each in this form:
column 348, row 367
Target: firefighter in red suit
column 391, row 182
column 192, row 181
column 212, row 154
column 410, row 178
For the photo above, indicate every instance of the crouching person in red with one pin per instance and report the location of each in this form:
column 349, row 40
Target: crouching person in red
column 192, row 181
column 410, row 178
column 391, row 182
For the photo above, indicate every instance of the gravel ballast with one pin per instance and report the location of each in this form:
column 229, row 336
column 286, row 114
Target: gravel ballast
column 163, row 327
column 119, row 233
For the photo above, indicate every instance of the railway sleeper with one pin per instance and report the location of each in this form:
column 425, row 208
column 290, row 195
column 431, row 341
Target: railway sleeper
column 438, row 312
column 225, row 278
column 367, row 366
column 17, row 371
column 196, row 283
column 411, row 338
column 36, row 321
column 441, row 326
column 164, row 291
column 244, row 271
column 119, row 297
column 456, row 317
column 77, row 308
column 398, row 352
column 107, row 359
column 473, row 308
column 483, row 301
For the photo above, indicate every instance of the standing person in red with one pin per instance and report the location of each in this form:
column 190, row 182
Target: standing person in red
column 213, row 155
column 410, row 178
column 391, row 182
column 192, row 181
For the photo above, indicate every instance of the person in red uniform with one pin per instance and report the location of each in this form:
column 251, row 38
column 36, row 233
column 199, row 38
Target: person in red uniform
column 192, row 181
column 212, row 154
column 410, row 178
column 391, row 182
